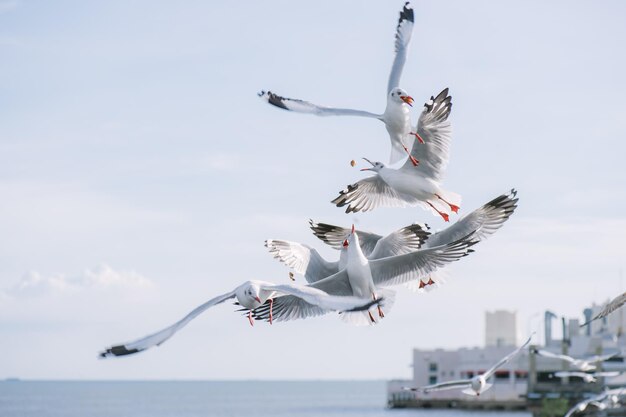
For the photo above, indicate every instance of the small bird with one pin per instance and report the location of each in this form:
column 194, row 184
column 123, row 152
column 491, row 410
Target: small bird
column 616, row 303
column 473, row 386
column 250, row 294
column 607, row 399
column 396, row 116
column 407, row 185
column 588, row 378
column 586, row 364
column 364, row 278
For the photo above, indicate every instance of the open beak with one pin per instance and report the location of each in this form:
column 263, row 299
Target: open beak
column 257, row 298
column 408, row 100
column 367, row 169
column 345, row 243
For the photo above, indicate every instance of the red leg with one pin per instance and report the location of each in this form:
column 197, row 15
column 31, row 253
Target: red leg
column 413, row 160
column 250, row 318
column 271, row 306
column 444, row 215
column 422, row 285
column 371, row 317
column 453, row 207
column 430, row 281
column 380, row 311
column 418, row 137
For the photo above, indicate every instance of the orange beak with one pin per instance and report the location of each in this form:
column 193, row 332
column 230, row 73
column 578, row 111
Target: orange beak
column 408, row 100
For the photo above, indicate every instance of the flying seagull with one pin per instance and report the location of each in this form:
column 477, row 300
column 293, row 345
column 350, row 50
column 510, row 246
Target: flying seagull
column 586, row 364
column 407, row 185
column 616, row 303
column 476, row 385
column 602, row 401
column 588, row 378
column 250, row 295
column 485, row 221
column 396, row 116
column 364, row 278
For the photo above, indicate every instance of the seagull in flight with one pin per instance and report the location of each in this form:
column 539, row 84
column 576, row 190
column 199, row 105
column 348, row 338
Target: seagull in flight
column 588, row 378
column 602, row 401
column 396, row 116
column 485, row 221
column 586, row 364
column 474, row 386
column 250, row 294
column 366, row 278
column 407, row 185
column 616, row 303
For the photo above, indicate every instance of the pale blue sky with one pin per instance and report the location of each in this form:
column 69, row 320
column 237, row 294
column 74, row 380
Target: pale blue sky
column 140, row 173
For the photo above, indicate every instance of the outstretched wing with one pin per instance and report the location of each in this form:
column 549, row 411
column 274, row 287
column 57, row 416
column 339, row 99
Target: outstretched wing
column 302, row 258
column 462, row 383
column 600, row 358
column 404, row 268
column 435, row 129
column 507, row 358
column 547, row 354
column 370, row 193
column 291, row 307
column 616, row 303
column 161, row 336
column 321, row 299
column 301, row 106
column 403, row 37
column 335, row 235
column 405, row 240
column 485, row 220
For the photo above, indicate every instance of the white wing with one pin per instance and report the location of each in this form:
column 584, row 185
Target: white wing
column 547, row 354
column 370, row 193
column 436, row 130
column 403, row 37
column 600, row 358
column 485, row 220
column 321, row 299
column 462, row 383
column 403, row 268
column 335, row 235
column 567, row 374
column 291, row 307
column 161, row 336
column 301, row 106
column 616, row 303
column 506, row 359
column 303, row 259
column 405, row 240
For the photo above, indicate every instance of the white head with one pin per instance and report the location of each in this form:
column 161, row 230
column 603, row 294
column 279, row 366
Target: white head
column 478, row 383
column 398, row 95
column 248, row 295
column 376, row 166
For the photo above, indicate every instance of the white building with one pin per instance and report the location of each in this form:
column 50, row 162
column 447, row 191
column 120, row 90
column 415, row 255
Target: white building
column 500, row 328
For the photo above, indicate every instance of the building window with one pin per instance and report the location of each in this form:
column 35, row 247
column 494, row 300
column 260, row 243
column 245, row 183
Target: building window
column 432, row 379
column 432, row 367
column 502, row 375
column 521, row 375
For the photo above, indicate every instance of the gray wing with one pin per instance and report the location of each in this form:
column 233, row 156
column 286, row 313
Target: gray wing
column 302, row 258
column 290, row 307
column 485, row 220
column 403, row 37
column 335, row 235
column 161, row 336
column 506, row 359
column 616, row 303
column 301, row 106
column 405, row 240
column 462, row 383
column 404, row 268
column 436, row 131
column 370, row 193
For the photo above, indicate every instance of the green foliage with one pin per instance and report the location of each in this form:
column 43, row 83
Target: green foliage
column 553, row 407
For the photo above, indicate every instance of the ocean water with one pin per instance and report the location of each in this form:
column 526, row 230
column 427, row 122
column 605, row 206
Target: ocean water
column 208, row 399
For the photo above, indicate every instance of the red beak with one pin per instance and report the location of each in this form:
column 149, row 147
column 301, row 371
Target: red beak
column 345, row 243
column 408, row 100
column 257, row 298
column 353, row 228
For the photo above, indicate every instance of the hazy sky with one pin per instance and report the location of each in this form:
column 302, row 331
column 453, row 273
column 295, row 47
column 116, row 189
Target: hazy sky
column 140, row 174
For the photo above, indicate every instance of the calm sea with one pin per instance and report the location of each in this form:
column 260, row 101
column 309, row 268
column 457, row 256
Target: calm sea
column 207, row 399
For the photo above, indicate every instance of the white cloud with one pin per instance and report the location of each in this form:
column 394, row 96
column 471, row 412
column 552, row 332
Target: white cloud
column 34, row 283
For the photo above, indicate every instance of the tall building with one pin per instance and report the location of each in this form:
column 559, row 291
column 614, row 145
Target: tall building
column 500, row 328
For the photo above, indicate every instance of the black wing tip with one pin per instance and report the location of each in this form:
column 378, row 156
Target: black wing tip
column 120, row 350
column 406, row 14
column 274, row 99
